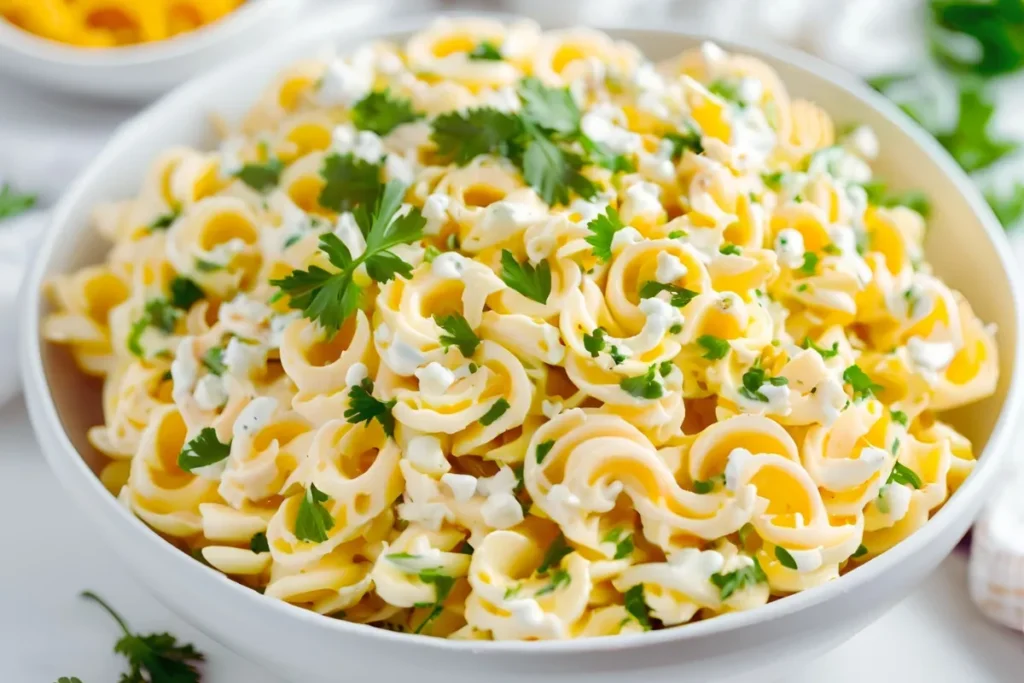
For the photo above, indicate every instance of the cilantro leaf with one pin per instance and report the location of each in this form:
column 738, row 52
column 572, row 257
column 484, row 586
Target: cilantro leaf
column 728, row 584
column 349, row 182
column 185, row 292
column 554, row 554
column 715, row 347
column 313, row 520
column 485, row 50
column 443, row 585
column 153, row 658
column 462, row 136
column 599, row 154
column 754, row 379
column 164, row 220
column 644, row 386
column 258, row 543
column 261, row 177
column 594, row 343
column 784, row 557
column 1009, row 208
column 497, row 409
column 553, row 172
column 685, row 140
column 382, row 112
column 458, row 333
column 13, row 203
column 559, row 578
column 533, row 283
column 680, row 295
column 213, row 359
column 994, row 27
column 969, row 141
column 157, row 313
column 364, row 407
column 901, row 474
column 551, row 109
column 543, row 449
column 602, row 232
column 810, row 264
column 202, row 450
column 637, row 606
column 331, row 297
column 879, row 195
column 622, row 540
column 824, row 353
column 859, row 381
column 727, row 89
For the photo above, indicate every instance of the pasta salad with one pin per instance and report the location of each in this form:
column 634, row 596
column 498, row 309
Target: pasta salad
column 510, row 334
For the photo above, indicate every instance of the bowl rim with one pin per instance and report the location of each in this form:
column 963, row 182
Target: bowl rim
column 34, row 47
column 75, row 473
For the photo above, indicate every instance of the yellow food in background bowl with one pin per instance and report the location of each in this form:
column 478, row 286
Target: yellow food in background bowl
column 113, row 23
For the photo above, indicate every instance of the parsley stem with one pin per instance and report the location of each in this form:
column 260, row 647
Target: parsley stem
column 89, row 595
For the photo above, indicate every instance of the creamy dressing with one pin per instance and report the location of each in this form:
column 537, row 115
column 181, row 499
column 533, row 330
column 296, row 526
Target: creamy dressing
column 601, row 130
column 789, row 247
column 254, row 416
column 355, row 374
column 830, row 398
column 231, row 157
column 506, row 218
column 210, row 393
column 932, row 356
column 344, row 84
column 363, row 144
column 435, row 210
column 752, row 139
column 625, row 237
column 184, row 369
column 894, row 501
column 462, row 486
column 697, row 565
column 399, row 168
column 807, row 560
column 659, row 166
column 864, row 142
column 434, row 379
column 661, row 316
column 402, row 357
column 278, row 324
column 425, row 454
column 642, row 199
column 449, row 265
column 501, row 511
column 670, row 268
column 737, row 460
column 241, row 359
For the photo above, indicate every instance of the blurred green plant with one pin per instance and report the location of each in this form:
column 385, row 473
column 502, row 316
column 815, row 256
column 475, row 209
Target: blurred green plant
column 973, row 41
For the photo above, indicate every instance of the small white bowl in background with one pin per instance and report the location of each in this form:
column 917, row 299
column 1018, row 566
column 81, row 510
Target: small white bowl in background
column 142, row 72
column 965, row 244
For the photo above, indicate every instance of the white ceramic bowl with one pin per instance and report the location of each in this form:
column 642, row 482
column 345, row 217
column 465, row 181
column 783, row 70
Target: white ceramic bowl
column 141, row 72
column 965, row 244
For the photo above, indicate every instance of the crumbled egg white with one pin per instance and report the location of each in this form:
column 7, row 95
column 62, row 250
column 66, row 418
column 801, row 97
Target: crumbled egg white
column 449, row 265
column 462, row 486
column 789, row 246
column 355, row 374
column 426, row 455
column 670, row 268
column 434, row 379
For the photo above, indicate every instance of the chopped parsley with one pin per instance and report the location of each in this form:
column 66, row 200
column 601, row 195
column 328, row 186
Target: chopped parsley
column 901, row 474
column 213, row 360
column 457, row 333
column 157, row 313
column 533, row 283
column 164, row 220
column 485, row 50
column 685, row 140
column 543, row 449
column 729, row 250
column 594, row 343
column 637, row 606
column 203, row 450
column 714, row 347
column 861, row 551
column 497, row 409
column 442, row 587
column 879, row 195
column 859, row 381
column 313, row 520
column 680, row 296
column 810, row 264
column 554, row 554
column 739, row 579
column 899, row 417
column 617, row 355
column 382, row 112
column 261, row 177
column 13, row 202
column 329, row 298
column 559, row 579
column 349, row 182
column 185, row 292
column 258, row 543
column 364, row 407
column 754, row 379
column 645, row 386
column 602, row 233
column 824, row 353
column 708, row 485
column 784, row 556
